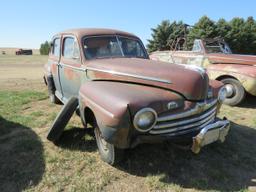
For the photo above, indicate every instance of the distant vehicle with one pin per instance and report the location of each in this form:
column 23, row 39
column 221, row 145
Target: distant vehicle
column 237, row 72
column 24, row 52
column 127, row 98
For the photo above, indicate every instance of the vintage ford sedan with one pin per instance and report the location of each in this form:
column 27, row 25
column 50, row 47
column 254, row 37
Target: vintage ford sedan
column 236, row 72
column 128, row 98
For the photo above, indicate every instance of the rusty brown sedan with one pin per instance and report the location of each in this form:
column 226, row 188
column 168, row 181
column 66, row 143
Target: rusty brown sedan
column 129, row 99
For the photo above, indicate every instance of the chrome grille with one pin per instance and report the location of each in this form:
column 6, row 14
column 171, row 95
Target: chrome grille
column 194, row 119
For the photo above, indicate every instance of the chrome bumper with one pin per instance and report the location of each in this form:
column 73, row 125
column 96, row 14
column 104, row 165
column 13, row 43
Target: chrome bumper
column 216, row 131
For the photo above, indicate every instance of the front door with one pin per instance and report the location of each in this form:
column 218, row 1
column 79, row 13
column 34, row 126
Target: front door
column 70, row 67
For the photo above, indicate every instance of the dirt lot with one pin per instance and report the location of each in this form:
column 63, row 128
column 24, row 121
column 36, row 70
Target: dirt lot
column 29, row 162
column 18, row 72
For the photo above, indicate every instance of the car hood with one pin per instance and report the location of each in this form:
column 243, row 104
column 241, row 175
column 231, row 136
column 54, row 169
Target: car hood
column 191, row 82
column 232, row 59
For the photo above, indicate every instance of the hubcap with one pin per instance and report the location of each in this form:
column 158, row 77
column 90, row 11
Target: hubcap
column 230, row 90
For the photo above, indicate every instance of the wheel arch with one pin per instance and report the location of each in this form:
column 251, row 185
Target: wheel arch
column 221, row 77
column 89, row 116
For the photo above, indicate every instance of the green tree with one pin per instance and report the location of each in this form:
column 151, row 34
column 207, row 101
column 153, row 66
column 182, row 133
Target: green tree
column 236, row 34
column 204, row 28
column 241, row 35
column 45, row 48
column 250, row 36
column 223, row 27
column 164, row 35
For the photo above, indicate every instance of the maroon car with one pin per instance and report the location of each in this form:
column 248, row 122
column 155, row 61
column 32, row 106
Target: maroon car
column 129, row 99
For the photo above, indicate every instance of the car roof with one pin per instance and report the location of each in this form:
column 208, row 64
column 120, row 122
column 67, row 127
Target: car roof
column 81, row 32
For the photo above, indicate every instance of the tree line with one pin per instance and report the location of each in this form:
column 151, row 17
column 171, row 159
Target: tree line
column 239, row 33
column 45, row 48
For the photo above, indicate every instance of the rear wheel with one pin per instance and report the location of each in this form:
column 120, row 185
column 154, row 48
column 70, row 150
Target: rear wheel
column 235, row 91
column 108, row 152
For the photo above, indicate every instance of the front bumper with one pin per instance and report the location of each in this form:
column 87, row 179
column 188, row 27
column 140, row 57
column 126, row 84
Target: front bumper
column 215, row 131
column 211, row 133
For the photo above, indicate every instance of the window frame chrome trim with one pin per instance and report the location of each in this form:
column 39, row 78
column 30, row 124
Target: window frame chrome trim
column 72, row 67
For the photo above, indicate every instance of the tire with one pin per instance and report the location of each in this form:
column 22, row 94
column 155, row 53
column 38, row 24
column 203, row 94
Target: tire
column 238, row 92
column 62, row 119
column 108, row 152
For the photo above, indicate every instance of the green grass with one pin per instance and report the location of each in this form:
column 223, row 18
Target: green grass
column 12, row 104
column 21, row 149
column 29, row 162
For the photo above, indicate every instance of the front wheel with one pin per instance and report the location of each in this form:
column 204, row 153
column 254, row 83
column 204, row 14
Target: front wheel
column 108, row 152
column 235, row 91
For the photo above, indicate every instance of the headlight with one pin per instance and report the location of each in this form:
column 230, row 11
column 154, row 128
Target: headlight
column 145, row 119
column 222, row 94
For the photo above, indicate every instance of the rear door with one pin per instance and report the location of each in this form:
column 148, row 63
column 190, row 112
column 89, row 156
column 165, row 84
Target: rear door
column 53, row 62
column 70, row 67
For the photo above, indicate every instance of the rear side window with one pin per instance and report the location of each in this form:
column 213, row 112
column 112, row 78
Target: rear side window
column 71, row 49
column 56, row 47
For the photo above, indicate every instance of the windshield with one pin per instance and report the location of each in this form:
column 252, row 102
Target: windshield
column 113, row 46
column 217, row 47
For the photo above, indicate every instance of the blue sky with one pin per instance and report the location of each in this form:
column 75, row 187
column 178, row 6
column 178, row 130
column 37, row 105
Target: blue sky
column 28, row 23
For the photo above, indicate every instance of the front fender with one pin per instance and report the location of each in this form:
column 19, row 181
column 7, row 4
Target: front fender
column 115, row 103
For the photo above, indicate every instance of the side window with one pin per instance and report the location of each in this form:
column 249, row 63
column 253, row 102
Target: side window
column 56, row 47
column 71, row 49
column 196, row 46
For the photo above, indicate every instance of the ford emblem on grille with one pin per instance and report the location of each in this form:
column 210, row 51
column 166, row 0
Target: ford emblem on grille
column 172, row 105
